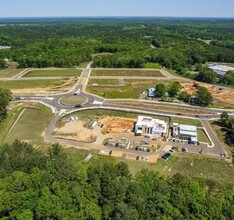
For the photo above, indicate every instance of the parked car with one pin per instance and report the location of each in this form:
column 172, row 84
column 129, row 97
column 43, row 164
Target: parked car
column 78, row 106
column 110, row 153
column 166, row 156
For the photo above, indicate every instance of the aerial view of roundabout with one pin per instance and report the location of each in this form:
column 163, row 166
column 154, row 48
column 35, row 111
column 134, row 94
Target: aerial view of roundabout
column 110, row 110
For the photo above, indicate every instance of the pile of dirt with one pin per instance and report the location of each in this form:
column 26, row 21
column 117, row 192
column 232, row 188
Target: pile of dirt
column 116, row 125
column 222, row 95
column 75, row 130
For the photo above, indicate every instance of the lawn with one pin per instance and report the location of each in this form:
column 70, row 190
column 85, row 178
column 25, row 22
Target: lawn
column 37, row 85
column 73, row 100
column 9, row 73
column 152, row 66
column 105, row 72
column 103, row 82
column 31, row 125
column 187, row 121
column 51, row 73
column 202, row 137
column 133, row 89
column 9, row 121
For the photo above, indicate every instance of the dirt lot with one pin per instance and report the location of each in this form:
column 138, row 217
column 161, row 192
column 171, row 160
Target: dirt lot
column 224, row 96
column 116, row 125
column 75, row 130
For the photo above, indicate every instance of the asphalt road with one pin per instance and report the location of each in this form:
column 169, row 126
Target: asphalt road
column 96, row 102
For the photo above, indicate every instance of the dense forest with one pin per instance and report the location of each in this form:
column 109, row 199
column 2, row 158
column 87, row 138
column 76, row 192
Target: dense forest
column 36, row 185
column 178, row 44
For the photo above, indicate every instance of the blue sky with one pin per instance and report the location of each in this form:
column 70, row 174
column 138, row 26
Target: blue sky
column 181, row 8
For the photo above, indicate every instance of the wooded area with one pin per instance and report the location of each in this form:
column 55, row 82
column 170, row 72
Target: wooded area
column 36, row 185
column 175, row 43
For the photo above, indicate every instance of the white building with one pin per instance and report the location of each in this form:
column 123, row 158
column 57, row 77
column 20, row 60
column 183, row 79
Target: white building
column 187, row 132
column 150, row 126
column 4, row 47
column 151, row 92
column 221, row 70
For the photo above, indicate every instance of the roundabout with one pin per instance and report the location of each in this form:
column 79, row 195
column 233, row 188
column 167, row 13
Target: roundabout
column 73, row 100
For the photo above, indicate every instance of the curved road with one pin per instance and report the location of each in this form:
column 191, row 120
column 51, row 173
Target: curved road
column 96, row 102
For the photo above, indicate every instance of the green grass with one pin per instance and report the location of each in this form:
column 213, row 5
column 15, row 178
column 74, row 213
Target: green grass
column 31, row 125
column 29, row 84
column 9, row 73
column 133, row 89
column 202, row 137
column 73, row 100
column 103, row 82
column 149, row 73
column 187, row 121
column 48, row 73
column 188, row 165
column 9, row 121
column 152, row 66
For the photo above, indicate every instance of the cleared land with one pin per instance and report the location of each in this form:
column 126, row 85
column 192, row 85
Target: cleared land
column 30, row 125
column 133, row 89
column 103, row 82
column 188, row 165
column 37, row 86
column 51, row 73
column 150, row 73
column 73, row 100
column 9, row 73
column 88, row 116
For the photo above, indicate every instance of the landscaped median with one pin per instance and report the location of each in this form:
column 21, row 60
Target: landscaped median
column 54, row 73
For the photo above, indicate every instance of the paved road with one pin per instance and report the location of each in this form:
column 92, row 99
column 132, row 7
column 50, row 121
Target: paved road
column 96, row 102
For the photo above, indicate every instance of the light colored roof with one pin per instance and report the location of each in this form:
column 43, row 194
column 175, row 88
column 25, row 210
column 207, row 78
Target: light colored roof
column 188, row 128
column 188, row 133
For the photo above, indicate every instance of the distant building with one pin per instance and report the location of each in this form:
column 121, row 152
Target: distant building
column 4, row 47
column 151, row 92
column 187, row 132
column 150, row 126
column 220, row 70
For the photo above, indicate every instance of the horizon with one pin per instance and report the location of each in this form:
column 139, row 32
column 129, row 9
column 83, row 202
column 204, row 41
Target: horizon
column 120, row 8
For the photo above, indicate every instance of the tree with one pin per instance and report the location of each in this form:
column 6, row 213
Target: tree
column 228, row 78
column 184, row 96
column 224, row 118
column 174, row 89
column 160, row 90
column 206, row 75
column 2, row 63
column 5, row 97
column 203, row 97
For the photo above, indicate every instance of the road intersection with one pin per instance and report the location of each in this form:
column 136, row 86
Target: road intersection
column 96, row 102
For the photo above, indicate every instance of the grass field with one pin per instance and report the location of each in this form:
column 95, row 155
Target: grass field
column 188, row 165
column 103, row 82
column 28, row 86
column 9, row 121
column 9, row 73
column 152, row 66
column 31, row 125
column 149, row 73
column 133, row 89
column 73, row 100
column 48, row 73
column 202, row 137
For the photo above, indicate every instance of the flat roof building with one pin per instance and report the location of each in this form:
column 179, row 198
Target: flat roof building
column 220, row 70
column 187, row 132
column 150, row 126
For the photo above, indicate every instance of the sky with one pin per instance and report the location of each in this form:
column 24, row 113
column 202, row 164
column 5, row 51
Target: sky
column 102, row 8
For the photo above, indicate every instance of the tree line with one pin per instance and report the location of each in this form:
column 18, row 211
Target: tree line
column 179, row 44
column 36, row 185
